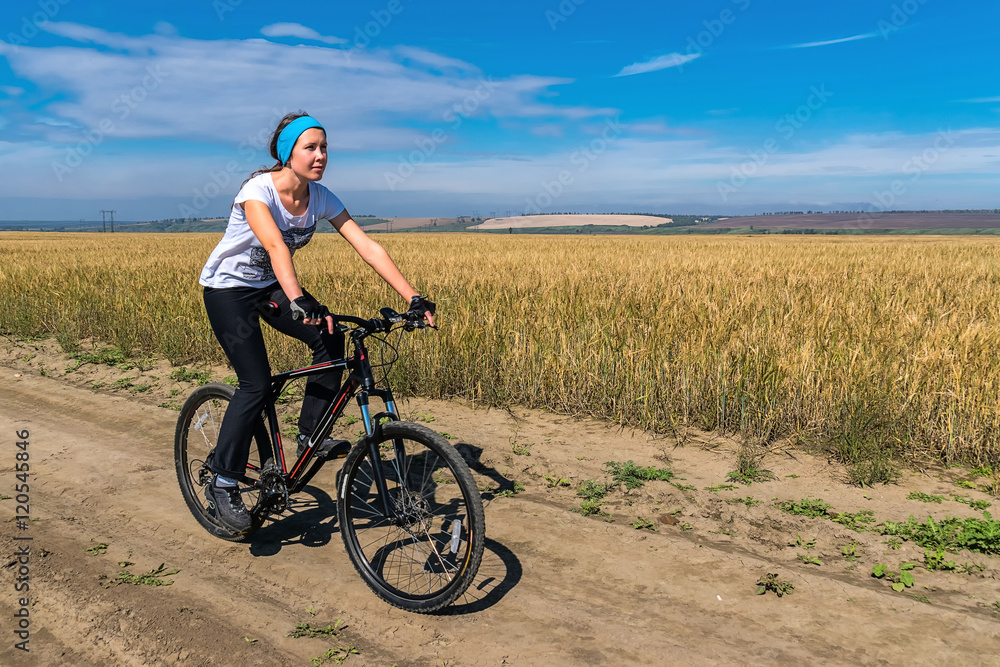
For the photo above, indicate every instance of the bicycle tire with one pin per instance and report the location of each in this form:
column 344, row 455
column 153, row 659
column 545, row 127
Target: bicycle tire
column 424, row 556
column 194, row 444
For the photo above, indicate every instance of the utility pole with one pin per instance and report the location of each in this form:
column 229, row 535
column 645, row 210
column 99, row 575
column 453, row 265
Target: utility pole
column 104, row 220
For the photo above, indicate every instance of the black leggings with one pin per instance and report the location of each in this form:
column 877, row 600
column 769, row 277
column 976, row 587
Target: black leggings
column 234, row 314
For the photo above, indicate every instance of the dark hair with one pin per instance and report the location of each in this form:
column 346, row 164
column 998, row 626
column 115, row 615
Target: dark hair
column 274, row 144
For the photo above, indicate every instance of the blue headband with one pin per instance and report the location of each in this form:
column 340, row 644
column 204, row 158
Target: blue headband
column 291, row 133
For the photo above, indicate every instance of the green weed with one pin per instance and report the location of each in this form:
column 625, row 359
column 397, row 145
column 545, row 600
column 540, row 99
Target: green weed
column 633, row 476
column 336, row 655
column 97, row 549
column 949, row 534
column 770, row 582
column 720, row 487
column 935, row 560
column 857, row 521
column 749, row 501
column 805, row 507
column 643, row 524
column 154, row 577
column 902, row 579
column 182, row 374
column 925, row 498
column 966, row 484
column 556, row 482
column 978, row 505
column 305, row 630
column 808, row 560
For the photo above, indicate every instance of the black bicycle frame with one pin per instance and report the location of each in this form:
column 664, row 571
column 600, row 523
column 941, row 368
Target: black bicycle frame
column 361, row 383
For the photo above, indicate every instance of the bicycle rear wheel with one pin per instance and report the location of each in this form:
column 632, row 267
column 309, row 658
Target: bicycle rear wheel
column 424, row 554
column 194, row 446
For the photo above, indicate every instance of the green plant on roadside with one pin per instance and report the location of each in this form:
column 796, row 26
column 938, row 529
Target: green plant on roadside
column 749, row 501
column 978, row 505
column 643, row 524
column 857, row 521
column 805, row 544
column 811, row 507
column 893, row 543
column 748, row 467
column 808, row 560
column 925, row 498
column 850, row 551
column 522, row 449
column 900, row 580
column 633, row 476
column 97, row 549
column 934, row 559
column 949, row 533
column 771, row 582
column 720, row 487
column 155, row 577
column 336, row 655
column 182, row 374
column 970, row 568
column 515, row 489
column 305, row 630
column 556, row 482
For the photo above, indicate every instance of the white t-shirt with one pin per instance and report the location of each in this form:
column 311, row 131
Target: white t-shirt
column 240, row 260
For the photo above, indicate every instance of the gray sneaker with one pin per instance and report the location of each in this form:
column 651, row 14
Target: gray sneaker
column 229, row 507
column 328, row 449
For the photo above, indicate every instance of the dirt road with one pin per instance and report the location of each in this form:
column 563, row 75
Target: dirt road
column 555, row 588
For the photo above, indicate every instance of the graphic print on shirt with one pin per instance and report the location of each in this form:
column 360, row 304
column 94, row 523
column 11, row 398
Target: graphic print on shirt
column 259, row 268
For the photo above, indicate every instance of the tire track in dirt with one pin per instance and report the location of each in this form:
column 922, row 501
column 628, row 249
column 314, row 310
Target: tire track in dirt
column 557, row 588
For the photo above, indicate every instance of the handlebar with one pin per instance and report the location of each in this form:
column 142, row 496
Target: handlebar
column 383, row 324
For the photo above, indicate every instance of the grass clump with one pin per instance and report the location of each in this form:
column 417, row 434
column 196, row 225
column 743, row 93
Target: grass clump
column 633, row 476
column 949, row 534
column 978, row 505
column 305, row 630
column 857, row 521
column 771, row 582
column 155, row 577
column 182, row 374
column 925, row 498
column 811, row 507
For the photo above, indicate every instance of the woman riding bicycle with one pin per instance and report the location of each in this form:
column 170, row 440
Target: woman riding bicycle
column 274, row 214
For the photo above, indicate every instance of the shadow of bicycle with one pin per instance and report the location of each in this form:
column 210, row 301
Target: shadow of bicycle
column 310, row 520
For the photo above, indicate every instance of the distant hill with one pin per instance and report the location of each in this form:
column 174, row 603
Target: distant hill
column 890, row 222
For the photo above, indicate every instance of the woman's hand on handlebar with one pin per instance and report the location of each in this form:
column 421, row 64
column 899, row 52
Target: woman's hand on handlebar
column 422, row 306
column 310, row 311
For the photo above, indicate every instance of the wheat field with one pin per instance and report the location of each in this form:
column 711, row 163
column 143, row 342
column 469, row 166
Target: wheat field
column 867, row 342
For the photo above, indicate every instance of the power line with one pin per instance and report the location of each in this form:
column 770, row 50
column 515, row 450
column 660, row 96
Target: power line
column 104, row 220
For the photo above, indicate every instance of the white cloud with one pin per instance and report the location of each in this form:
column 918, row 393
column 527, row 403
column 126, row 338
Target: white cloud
column 300, row 31
column 853, row 38
column 982, row 100
column 434, row 60
column 222, row 91
column 656, row 64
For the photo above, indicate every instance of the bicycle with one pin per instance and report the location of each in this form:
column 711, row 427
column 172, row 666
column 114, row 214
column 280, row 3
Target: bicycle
column 408, row 509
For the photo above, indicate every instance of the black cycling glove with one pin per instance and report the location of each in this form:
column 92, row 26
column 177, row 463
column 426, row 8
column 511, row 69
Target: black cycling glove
column 306, row 307
column 420, row 305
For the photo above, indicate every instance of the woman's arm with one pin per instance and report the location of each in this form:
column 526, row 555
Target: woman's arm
column 264, row 228
column 375, row 255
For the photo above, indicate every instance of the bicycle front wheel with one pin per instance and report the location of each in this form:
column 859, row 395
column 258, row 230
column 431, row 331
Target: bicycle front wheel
column 194, row 446
column 419, row 546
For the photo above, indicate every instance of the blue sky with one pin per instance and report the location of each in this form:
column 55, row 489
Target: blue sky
column 446, row 108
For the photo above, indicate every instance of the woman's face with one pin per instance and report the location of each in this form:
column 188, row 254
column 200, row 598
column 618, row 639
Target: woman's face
column 308, row 157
